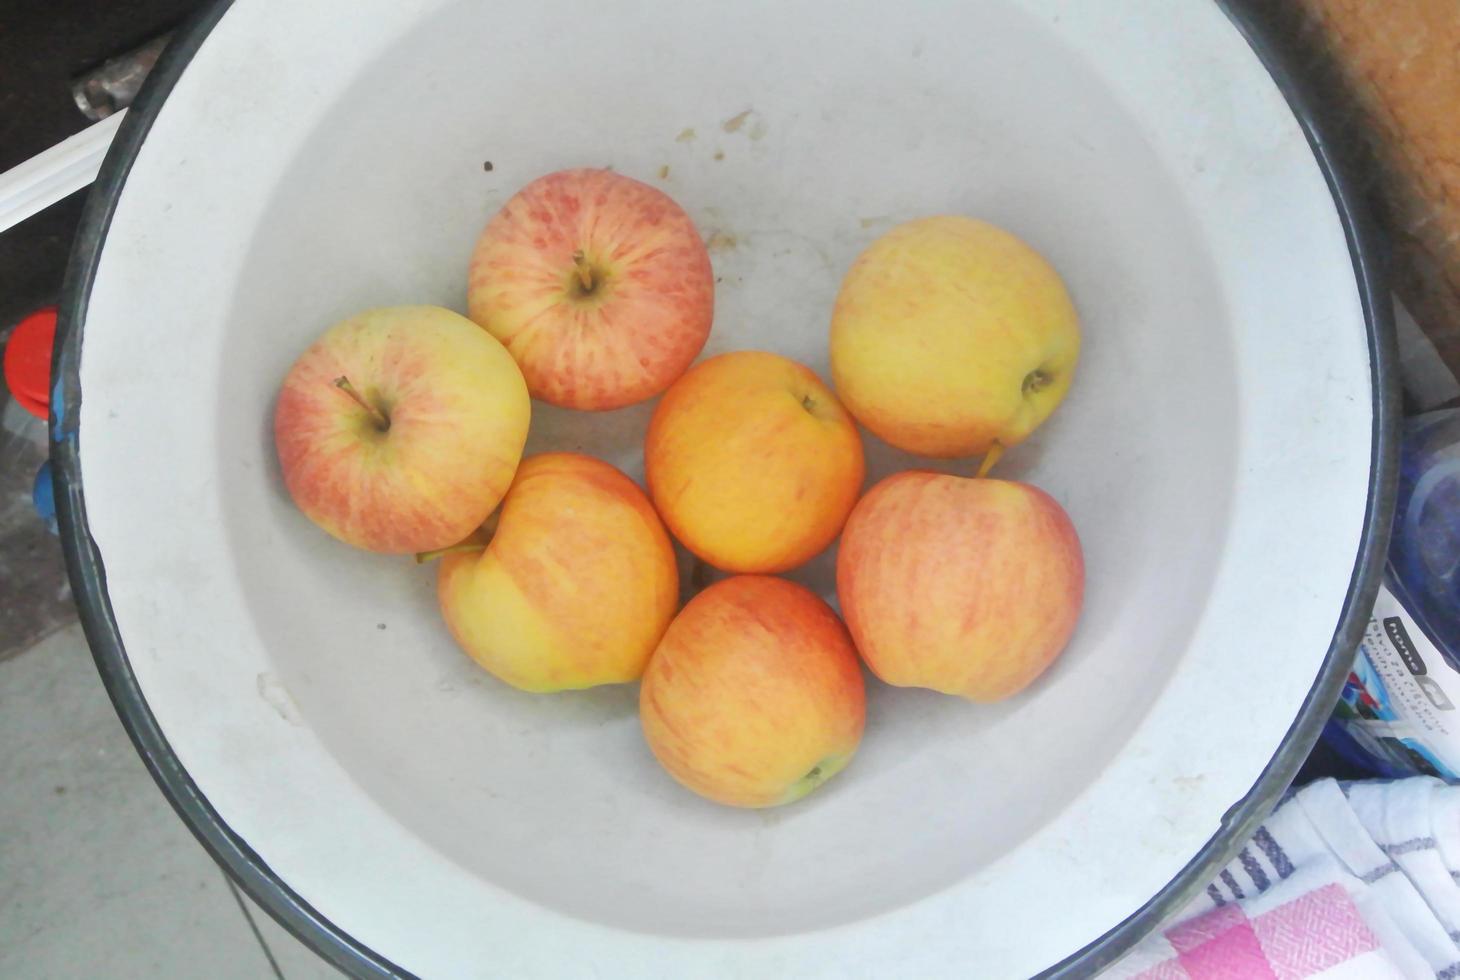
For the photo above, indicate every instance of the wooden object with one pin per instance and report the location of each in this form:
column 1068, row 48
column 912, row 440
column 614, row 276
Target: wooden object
column 1396, row 64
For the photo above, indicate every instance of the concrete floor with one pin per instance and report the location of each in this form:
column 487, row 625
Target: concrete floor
column 35, row 599
column 98, row 876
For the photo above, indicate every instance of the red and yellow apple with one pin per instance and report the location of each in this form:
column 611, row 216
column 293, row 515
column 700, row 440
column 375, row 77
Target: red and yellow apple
column 575, row 586
column 752, row 462
column 951, row 337
column 754, row 696
column 966, row 586
column 400, row 428
column 598, row 284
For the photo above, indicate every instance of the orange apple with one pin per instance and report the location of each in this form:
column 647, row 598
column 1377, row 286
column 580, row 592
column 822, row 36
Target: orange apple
column 574, row 587
column 598, row 284
column 754, row 697
column 399, row 429
column 752, row 462
column 966, row 586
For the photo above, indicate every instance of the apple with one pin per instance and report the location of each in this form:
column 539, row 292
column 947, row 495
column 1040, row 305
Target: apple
column 952, row 337
column 574, row 585
column 966, row 586
column 754, row 696
column 399, row 429
column 598, row 284
column 752, row 462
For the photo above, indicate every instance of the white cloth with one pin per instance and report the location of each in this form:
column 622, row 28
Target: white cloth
column 1353, row 881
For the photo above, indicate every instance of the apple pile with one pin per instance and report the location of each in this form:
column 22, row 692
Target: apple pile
column 401, row 431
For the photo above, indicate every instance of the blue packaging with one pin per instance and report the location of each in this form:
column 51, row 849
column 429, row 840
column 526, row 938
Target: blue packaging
column 1400, row 710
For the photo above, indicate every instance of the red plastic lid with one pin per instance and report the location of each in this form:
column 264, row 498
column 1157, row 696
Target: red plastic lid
column 28, row 361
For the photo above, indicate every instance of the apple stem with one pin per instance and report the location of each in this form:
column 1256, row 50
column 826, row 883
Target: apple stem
column 476, row 541
column 460, row 548
column 381, row 420
column 1036, row 380
column 990, row 458
column 585, row 272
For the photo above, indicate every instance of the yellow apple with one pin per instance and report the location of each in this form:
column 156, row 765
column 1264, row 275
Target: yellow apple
column 951, row 337
column 574, row 587
column 752, row 462
column 966, row 586
column 399, row 429
column 598, row 284
column 754, row 697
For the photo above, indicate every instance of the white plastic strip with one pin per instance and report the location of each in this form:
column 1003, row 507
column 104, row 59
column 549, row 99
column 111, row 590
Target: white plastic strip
column 49, row 176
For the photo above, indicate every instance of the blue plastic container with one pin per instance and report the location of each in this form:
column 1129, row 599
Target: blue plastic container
column 1400, row 710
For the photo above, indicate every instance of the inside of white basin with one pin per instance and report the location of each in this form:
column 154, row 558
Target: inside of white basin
column 315, row 696
column 557, row 798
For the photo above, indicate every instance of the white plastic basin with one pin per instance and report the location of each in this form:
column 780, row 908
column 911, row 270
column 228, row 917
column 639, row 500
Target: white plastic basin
column 305, row 706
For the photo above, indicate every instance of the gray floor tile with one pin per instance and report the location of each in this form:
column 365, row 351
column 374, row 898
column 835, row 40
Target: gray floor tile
column 98, row 877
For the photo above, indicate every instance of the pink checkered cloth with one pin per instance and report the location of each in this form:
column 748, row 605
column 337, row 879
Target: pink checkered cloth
column 1356, row 881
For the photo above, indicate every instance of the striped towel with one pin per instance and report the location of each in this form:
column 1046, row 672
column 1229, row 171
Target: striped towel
column 1343, row 881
